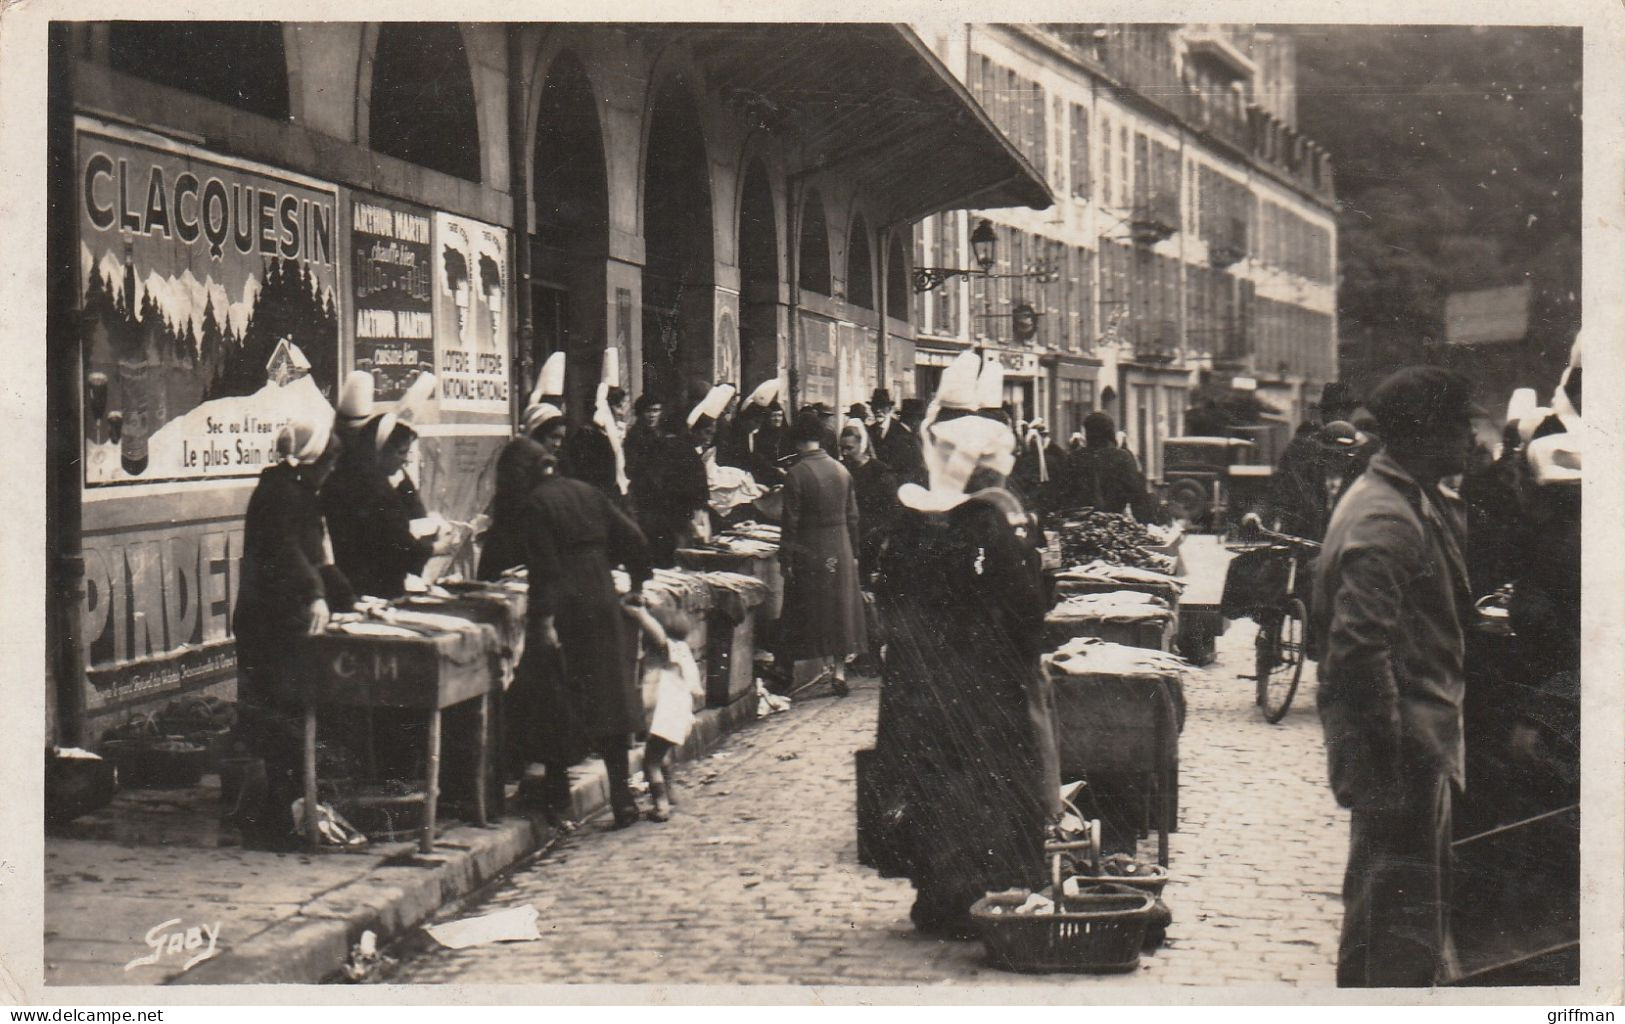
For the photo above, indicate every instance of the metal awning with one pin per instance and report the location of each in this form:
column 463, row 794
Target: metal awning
column 870, row 101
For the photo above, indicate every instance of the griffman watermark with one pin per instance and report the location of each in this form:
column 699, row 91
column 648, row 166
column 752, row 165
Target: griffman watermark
column 169, row 940
column 1564, row 1016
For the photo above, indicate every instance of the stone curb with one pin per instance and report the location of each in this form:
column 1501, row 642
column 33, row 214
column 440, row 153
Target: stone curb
column 395, row 898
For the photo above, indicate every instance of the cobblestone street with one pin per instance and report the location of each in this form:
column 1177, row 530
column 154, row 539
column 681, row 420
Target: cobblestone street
column 755, row 880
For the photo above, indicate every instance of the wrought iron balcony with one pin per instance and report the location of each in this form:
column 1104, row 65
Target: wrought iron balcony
column 1155, row 216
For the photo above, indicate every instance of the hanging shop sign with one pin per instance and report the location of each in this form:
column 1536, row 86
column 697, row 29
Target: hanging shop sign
column 392, row 291
column 208, row 297
column 471, row 314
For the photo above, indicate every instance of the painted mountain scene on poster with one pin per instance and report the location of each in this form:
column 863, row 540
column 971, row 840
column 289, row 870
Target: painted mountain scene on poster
column 209, row 307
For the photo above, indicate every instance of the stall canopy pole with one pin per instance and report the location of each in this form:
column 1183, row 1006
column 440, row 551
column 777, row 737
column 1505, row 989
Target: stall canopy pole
column 63, row 371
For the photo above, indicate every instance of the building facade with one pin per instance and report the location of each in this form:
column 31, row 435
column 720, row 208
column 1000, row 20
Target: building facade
column 256, row 209
column 1193, row 237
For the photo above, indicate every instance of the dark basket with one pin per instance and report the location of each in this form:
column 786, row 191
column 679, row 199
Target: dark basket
column 1256, row 579
column 1092, row 933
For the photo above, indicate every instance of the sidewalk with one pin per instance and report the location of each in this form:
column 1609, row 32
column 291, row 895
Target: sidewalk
column 152, row 864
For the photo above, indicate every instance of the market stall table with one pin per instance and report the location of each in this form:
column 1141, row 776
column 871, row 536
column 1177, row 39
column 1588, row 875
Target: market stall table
column 427, row 671
column 1119, row 712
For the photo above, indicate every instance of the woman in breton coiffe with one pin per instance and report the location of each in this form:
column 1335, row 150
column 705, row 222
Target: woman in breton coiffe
column 288, row 590
column 965, row 740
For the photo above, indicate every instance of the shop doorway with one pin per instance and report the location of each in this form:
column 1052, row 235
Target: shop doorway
column 758, row 281
column 571, row 244
column 678, row 292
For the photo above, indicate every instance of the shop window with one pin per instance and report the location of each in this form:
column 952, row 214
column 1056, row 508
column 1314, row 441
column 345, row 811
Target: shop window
column 814, row 246
column 897, row 289
column 239, row 63
column 860, row 273
column 423, row 99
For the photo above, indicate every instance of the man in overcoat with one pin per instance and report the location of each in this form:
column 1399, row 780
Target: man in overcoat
column 1391, row 594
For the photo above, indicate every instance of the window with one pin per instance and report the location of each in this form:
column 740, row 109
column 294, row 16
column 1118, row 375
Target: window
column 814, row 246
column 860, row 273
column 239, row 63
column 423, row 98
column 1080, row 151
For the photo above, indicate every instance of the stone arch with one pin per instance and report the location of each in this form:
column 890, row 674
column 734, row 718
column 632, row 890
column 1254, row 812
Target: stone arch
column 678, row 226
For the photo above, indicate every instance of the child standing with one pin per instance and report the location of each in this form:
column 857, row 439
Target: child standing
column 669, row 666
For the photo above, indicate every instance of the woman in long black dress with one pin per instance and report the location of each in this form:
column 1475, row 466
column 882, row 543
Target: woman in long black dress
column 574, row 537
column 286, row 593
column 368, row 518
column 965, row 729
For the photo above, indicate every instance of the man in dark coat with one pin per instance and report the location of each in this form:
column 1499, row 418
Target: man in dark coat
column 1102, row 476
column 1391, row 595
column 896, row 443
column 823, row 607
column 642, row 437
column 574, row 537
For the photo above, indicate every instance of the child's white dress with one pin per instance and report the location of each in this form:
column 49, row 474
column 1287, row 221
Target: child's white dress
column 678, row 686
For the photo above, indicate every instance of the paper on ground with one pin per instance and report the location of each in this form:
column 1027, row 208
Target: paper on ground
column 516, row 925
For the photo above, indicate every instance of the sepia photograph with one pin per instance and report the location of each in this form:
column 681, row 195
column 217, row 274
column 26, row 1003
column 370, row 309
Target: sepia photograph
column 1084, row 510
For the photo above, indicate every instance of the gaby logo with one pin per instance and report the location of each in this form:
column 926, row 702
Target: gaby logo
column 168, row 940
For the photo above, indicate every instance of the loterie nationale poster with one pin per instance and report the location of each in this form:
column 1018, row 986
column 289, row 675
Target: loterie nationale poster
column 471, row 314
column 209, row 306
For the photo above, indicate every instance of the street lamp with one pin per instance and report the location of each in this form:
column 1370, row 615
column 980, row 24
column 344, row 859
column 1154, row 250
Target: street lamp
column 983, row 242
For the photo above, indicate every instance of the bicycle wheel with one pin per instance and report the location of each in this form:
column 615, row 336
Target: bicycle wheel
column 1279, row 656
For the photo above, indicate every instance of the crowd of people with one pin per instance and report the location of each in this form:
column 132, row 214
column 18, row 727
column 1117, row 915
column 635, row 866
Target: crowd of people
column 911, row 536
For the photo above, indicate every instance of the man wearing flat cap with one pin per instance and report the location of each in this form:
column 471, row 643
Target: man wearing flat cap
column 1390, row 596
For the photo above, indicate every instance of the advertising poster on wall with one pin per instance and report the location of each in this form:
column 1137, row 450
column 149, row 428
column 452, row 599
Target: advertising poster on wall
column 471, row 314
column 209, row 312
column 392, row 284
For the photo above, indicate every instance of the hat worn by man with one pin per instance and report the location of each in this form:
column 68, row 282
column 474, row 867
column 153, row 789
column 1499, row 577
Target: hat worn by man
column 1416, row 402
column 880, row 400
column 911, row 408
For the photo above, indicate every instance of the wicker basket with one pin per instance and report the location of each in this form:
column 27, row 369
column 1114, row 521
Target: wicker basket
column 1091, row 933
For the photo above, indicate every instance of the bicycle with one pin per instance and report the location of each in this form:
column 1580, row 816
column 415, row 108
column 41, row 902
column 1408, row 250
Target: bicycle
column 1261, row 584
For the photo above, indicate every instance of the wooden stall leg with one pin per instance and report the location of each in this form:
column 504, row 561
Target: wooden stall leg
column 312, row 834
column 1167, row 730
column 482, row 767
column 431, row 795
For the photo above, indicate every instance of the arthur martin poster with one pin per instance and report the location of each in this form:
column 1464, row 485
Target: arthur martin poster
column 471, row 314
column 209, row 306
column 392, row 282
